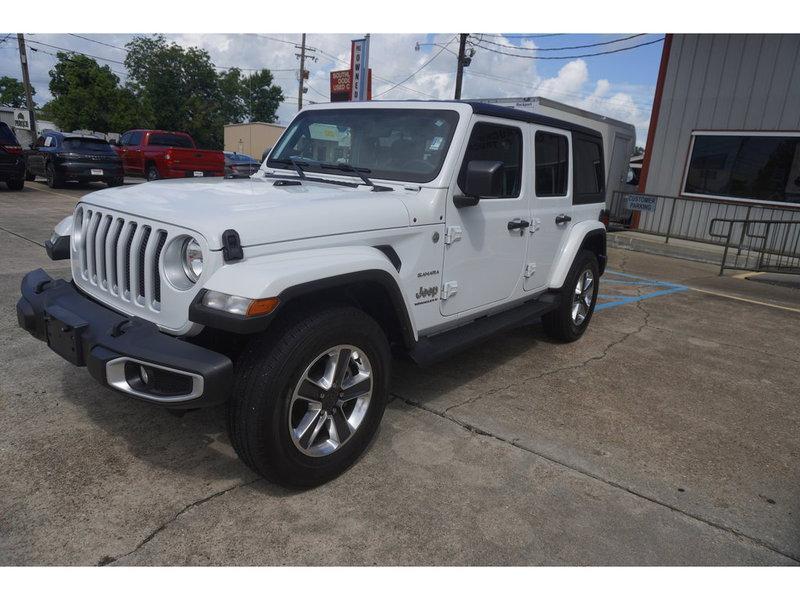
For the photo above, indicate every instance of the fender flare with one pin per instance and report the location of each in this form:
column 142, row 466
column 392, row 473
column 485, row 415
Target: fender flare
column 290, row 275
column 578, row 236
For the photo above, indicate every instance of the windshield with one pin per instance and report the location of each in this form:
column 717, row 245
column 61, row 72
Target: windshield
column 87, row 145
column 387, row 143
column 170, row 140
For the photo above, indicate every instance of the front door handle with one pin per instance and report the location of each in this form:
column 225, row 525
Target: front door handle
column 561, row 219
column 518, row 224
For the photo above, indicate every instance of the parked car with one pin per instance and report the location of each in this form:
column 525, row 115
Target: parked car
column 12, row 159
column 155, row 154
column 414, row 226
column 240, row 165
column 61, row 157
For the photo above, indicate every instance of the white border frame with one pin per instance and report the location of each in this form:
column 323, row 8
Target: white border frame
column 737, row 133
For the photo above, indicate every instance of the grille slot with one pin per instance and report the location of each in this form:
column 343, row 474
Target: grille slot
column 121, row 258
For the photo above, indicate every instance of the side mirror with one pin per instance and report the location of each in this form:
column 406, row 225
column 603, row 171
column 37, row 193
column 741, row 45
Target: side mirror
column 484, row 179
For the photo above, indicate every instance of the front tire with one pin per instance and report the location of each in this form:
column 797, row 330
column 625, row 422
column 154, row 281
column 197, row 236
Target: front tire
column 569, row 321
column 310, row 395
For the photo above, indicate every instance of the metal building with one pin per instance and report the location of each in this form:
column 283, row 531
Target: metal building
column 723, row 147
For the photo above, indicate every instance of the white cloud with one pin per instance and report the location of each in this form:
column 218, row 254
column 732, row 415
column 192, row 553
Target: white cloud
column 393, row 58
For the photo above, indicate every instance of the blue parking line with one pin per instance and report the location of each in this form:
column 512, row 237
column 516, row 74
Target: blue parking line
column 635, row 280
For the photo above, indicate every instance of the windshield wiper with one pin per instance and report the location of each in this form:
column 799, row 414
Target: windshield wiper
column 298, row 166
column 360, row 171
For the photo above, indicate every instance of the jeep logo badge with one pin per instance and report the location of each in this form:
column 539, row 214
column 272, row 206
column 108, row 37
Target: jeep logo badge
column 428, row 292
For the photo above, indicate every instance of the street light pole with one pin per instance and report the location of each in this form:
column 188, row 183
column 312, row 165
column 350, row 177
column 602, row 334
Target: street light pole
column 26, row 79
column 461, row 61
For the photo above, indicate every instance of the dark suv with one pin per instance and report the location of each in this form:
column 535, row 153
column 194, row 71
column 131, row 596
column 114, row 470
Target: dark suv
column 12, row 159
column 61, row 157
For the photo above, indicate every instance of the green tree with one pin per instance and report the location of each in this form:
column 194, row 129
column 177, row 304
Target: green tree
column 261, row 97
column 232, row 105
column 12, row 92
column 178, row 86
column 87, row 96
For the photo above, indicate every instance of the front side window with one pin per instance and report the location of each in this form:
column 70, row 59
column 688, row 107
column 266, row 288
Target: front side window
column 395, row 144
column 7, row 136
column 552, row 164
column 492, row 142
column 588, row 179
column 135, row 138
column 750, row 167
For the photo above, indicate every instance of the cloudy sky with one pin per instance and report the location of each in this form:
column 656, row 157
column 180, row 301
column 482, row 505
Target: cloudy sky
column 618, row 84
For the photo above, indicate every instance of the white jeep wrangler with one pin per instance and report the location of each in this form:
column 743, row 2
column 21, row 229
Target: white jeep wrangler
column 419, row 226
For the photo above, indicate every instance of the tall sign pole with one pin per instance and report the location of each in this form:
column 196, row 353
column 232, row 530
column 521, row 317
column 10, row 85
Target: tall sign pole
column 359, row 69
column 302, row 72
column 26, row 79
column 461, row 61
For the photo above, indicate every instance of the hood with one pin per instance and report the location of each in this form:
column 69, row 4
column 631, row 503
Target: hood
column 257, row 209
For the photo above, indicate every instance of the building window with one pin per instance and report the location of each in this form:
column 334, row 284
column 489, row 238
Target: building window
column 745, row 165
column 588, row 179
column 496, row 142
column 552, row 164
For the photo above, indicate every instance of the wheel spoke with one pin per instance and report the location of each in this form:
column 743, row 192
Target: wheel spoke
column 356, row 390
column 310, row 390
column 342, row 365
column 308, row 428
column 340, row 427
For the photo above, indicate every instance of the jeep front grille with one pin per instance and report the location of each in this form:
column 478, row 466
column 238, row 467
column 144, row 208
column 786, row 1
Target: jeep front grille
column 120, row 256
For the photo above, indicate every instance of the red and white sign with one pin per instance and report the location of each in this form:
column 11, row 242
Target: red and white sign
column 341, row 90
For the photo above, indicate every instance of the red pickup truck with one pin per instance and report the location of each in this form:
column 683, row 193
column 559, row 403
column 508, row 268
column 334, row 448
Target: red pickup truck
column 156, row 154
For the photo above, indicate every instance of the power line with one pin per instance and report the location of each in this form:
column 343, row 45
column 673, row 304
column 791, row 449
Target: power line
column 570, row 57
column 125, row 50
column 119, row 62
column 39, row 50
column 622, row 39
column 425, row 64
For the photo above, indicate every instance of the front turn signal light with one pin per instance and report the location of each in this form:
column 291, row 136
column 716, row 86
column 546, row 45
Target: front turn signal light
column 239, row 305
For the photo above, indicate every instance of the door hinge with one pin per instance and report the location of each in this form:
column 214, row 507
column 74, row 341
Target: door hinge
column 530, row 269
column 453, row 234
column 450, row 288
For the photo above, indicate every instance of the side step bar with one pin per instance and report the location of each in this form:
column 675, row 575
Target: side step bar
column 437, row 347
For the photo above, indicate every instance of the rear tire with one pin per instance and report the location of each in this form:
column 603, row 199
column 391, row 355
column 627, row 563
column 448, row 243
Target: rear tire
column 54, row 180
column 271, row 419
column 151, row 173
column 569, row 321
column 16, row 185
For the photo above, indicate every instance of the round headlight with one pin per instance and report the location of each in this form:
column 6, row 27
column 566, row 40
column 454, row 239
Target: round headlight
column 192, row 256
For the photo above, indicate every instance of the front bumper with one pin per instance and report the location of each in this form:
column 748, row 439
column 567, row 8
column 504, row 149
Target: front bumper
column 124, row 353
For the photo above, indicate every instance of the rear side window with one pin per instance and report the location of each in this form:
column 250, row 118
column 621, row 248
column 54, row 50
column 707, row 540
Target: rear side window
column 170, row 140
column 7, row 136
column 589, row 176
column 552, row 164
column 496, row 142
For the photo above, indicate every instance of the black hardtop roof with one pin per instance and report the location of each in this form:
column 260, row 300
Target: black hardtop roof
column 506, row 112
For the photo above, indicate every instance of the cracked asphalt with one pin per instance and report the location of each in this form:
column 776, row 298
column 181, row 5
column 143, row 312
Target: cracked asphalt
column 670, row 434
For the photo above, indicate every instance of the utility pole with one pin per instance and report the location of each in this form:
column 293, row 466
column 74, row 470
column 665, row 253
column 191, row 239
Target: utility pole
column 302, row 72
column 462, row 62
column 26, row 79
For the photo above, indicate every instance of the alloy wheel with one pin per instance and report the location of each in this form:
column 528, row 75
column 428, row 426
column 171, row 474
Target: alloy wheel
column 330, row 400
column 582, row 298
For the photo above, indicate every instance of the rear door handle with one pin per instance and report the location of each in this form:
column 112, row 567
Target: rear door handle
column 518, row 224
column 561, row 219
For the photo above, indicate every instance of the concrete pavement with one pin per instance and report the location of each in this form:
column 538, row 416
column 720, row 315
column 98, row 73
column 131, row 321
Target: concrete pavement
column 668, row 435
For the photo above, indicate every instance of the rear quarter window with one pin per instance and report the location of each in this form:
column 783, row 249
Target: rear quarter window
column 588, row 171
